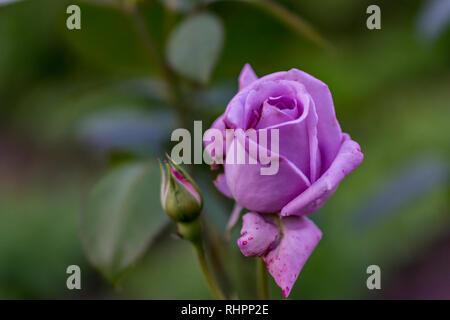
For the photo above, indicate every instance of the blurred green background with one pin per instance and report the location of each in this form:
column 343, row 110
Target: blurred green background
column 82, row 106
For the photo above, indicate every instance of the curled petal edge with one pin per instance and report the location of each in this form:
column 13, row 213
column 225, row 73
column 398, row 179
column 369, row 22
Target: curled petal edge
column 222, row 186
column 348, row 158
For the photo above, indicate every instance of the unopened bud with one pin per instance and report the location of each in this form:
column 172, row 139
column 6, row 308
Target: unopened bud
column 180, row 195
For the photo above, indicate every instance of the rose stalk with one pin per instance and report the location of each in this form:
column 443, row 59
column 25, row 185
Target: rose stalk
column 182, row 201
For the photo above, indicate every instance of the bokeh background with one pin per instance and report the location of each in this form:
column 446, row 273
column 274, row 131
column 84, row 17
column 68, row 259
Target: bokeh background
column 81, row 109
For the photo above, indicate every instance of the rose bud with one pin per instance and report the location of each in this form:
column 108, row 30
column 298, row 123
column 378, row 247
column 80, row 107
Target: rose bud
column 180, row 195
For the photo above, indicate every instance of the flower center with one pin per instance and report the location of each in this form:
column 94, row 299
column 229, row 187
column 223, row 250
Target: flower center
column 275, row 110
column 282, row 102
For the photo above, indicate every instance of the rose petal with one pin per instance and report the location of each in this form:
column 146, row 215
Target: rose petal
column 262, row 193
column 234, row 115
column 260, row 93
column 328, row 130
column 247, row 76
column 257, row 235
column 221, row 185
column 315, row 160
column 285, row 261
column 218, row 124
column 298, row 138
column 348, row 158
column 271, row 115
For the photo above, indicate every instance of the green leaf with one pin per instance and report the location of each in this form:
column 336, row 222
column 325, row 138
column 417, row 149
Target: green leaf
column 121, row 217
column 194, row 46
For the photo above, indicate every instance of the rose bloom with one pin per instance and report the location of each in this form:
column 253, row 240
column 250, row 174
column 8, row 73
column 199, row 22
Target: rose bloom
column 314, row 156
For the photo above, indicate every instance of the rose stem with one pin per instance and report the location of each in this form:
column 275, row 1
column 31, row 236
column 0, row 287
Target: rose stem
column 176, row 100
column 169, row 78
column 207, row 274
column 263, row 284
column 214, row 242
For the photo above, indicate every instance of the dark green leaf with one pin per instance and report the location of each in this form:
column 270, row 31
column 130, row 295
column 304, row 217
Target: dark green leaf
column 121, row 217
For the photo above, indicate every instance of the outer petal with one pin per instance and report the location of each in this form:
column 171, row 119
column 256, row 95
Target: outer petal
column 285, row 261
column 348, row 158
column 257, row 235
column 221, row 184
column 234, row 115
column 263, row 193
column 247, row 76
column 218, row 124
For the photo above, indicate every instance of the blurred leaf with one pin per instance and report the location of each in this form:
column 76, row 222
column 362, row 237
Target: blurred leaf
column 121, row 217
column 434, row 19
column 36, row 238
column 61, row 111
column 212, row 100
column 291, row 19
column 120, row 157
column 27, row 49
column 180, row 5
column 194, row 46
column 127, row 130
column 416, row 180
column 108, row 40
column 6, row 2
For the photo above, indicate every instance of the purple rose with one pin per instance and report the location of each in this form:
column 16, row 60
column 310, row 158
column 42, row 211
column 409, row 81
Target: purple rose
column 314, row 156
